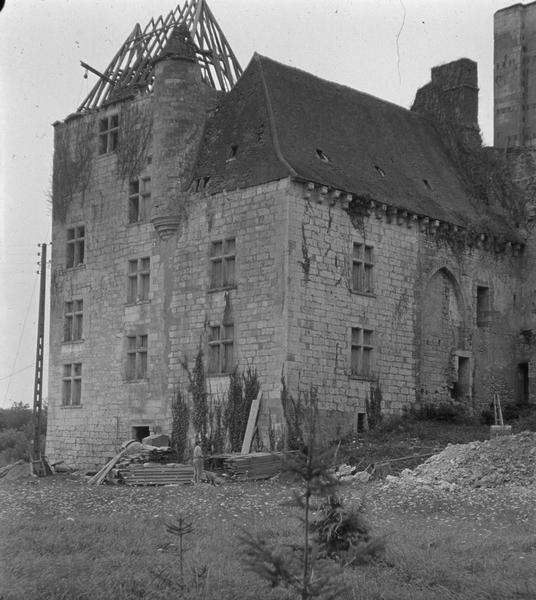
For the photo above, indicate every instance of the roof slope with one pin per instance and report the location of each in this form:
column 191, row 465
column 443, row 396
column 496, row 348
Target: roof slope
column 336, row 136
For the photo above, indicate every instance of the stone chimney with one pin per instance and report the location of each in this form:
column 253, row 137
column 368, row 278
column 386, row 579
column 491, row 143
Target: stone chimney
column 451, row 99
column 181, row 101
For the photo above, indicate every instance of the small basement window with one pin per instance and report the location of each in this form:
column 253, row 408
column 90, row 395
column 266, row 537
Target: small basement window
column 321, row 155
column 141, row 432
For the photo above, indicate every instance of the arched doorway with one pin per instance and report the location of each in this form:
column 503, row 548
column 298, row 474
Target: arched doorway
column 444, row 370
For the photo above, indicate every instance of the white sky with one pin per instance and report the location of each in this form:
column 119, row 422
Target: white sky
column 353, row 42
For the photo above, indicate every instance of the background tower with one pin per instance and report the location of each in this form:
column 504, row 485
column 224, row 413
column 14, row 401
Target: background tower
column 515, row 76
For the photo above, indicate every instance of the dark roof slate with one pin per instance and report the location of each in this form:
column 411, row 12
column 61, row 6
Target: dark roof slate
column 283, row 120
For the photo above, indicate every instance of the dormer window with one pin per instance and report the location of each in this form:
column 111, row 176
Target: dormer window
column 379, row 170
column 321, row 155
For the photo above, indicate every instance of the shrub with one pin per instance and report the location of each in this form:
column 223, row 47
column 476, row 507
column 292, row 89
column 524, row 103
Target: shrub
column 447, row 412
column 179, row 428
column 14, row 445
column 343, row 533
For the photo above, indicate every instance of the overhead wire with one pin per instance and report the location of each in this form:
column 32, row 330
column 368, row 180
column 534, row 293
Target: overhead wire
column 20, row 339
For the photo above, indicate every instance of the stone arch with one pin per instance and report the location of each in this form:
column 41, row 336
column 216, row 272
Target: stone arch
column 443, row 326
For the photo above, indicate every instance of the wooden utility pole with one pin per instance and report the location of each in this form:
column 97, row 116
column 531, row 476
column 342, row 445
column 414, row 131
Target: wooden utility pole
column 38, row 387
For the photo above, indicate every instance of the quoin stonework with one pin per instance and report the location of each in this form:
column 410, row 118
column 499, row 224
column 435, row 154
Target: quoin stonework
column 271, row 218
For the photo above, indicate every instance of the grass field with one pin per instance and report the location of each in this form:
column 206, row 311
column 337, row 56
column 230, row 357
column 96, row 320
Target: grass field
column 63, row 539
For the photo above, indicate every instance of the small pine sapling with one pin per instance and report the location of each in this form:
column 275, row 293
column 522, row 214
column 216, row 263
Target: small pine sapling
column 299, row 566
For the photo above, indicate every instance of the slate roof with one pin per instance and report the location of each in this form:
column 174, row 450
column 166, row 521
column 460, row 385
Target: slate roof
column 279, row 121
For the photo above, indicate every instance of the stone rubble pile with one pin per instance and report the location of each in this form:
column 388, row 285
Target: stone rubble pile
column 506, row 460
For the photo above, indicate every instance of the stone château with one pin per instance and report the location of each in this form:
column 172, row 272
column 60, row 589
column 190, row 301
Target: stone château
column 275, row 219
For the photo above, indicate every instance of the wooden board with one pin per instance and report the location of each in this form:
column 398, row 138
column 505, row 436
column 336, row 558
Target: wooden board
column 252, row 422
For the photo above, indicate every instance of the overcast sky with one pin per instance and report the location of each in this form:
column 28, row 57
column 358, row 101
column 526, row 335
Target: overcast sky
column 383, row 47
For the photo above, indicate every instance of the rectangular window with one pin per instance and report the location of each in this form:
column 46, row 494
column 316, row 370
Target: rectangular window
column 483, row 308
column 72, row 384
column 362, row 268
column 139, row 274
column 139, row 200
column 75, row 246
column 136, row 357
column 74, row 319
column 361, row 352
column 222, row 263
column 108, row 134
column 221, row 353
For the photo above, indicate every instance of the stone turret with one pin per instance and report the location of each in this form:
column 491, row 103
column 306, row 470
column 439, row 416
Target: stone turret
column 180, row 104
column 451, row 98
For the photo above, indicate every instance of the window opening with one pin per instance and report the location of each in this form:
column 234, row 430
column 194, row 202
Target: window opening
column 483, row 308
column 361, row 351
column 139, row 199
column 72, row 384
column 136, row 357
column 75, row 246
column 427, row 184
column 139, row 271
column 222, row 263
column 73, row 322
column 108, row 134
column 362, row 268
column 221, row 349
column 232, row 152
column 361, row 419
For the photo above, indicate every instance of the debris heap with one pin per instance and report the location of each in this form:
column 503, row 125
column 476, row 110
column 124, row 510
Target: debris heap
column 506, row 460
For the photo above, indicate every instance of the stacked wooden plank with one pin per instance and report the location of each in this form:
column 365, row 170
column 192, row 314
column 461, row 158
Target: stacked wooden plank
column 156, row 474
column 258, row 465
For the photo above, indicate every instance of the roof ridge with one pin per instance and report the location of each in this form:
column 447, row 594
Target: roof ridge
column 337, row 84
column 273, row 129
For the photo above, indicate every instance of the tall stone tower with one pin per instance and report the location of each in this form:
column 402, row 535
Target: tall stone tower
column 180, row 104
column 515, row 76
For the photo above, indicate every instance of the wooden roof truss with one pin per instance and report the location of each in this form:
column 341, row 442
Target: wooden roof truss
column 131, row 69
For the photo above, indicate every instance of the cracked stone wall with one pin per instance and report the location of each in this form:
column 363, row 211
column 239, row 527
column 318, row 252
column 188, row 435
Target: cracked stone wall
column 425, row 290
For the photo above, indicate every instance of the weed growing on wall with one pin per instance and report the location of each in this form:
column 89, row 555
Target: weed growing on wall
column 180, row 414
column 373, row 406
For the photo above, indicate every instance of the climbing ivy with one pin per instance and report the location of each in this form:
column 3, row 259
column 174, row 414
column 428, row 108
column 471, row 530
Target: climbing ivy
column 71, row 171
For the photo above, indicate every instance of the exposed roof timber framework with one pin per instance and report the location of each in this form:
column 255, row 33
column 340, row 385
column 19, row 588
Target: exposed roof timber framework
column 131, row 69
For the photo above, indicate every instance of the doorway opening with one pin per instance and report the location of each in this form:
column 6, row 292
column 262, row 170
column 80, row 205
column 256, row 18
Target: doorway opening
column 463, row 384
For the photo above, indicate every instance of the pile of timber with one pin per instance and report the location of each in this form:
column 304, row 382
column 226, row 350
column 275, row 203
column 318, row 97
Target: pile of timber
column 140, row 464
column 155, row 474
column 258, row 465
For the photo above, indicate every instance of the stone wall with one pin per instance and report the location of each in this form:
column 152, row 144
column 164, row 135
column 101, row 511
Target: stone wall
column 177, row 314
column 424, row 295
